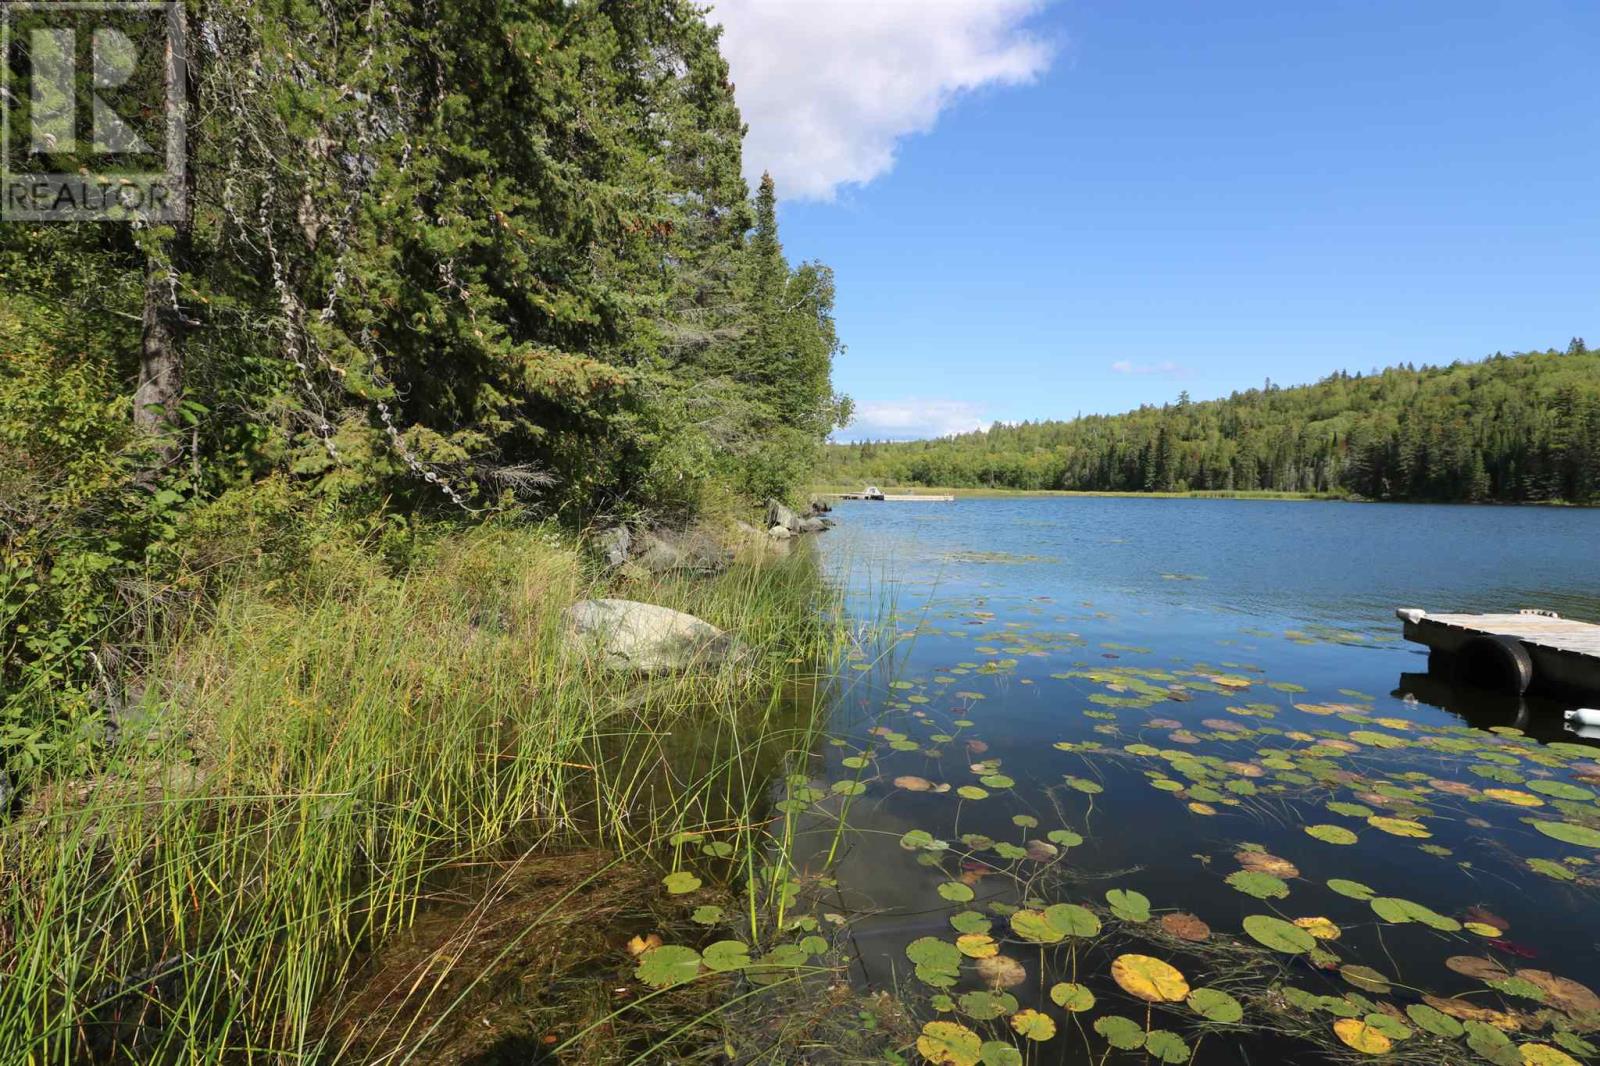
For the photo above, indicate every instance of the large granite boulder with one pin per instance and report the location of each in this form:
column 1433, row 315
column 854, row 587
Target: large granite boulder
column 647, row 637
column 779, row 515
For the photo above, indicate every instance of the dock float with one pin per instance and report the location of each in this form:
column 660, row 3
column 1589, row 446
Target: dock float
column 1510, row 653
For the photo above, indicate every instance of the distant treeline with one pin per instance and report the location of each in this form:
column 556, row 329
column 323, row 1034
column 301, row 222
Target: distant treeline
column 1523, row 427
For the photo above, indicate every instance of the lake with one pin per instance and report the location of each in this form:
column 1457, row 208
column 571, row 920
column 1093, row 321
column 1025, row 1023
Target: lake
column 1128, row 749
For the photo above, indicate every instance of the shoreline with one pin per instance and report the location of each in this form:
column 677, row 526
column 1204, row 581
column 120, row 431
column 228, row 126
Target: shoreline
column 829, row 488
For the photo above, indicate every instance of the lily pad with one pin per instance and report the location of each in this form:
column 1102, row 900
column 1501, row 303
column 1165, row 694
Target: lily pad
column 1070, row 996
column 1400, row 827
column 1434, row 1021
column 1366, row 978
column 976, row 945
column 1148, row 978
column 1396, row 910
column 1166, row 1046
column 1357, row 1034
column 1128, row 905
column 1570, row 833
column 1332, row 834
column 1278, row 934
column 999, row 1053
column 1353, row 889
column 1185, row 927
column 931, row 951
column 709, row 914
column 1001, row 971
column 970, row 922
column 987, row 1006
column 1122, row 1033
column 725, row 955
column 949, row 1044
column 1215, row 1005
column 1032, row 1025
column 1259, row 885
column 1072, row 919
column 955, row 892
column 680, row 883
column 668, row 965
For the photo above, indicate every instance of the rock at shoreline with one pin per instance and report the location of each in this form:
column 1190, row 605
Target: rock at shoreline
column 647, row 637
column 779, row 532
column 614, row 545
column 811, row 525
column 779, row 515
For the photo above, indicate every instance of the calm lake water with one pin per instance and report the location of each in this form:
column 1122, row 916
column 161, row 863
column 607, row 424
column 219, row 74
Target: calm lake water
column 1187, row 717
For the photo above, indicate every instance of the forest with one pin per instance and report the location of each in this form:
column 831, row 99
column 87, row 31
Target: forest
column 443, row 262
column 1513, row 428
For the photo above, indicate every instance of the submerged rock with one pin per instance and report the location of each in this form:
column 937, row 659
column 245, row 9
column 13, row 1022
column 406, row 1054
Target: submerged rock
column 647, row 637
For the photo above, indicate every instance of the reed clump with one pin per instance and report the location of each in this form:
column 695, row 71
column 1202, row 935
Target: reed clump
column 318, row 759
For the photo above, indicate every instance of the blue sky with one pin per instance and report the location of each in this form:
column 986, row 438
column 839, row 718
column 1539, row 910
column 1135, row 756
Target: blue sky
column 1201, row 196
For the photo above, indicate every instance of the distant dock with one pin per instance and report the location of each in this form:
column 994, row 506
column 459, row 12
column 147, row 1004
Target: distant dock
column 872, row 492
column 1510, row 653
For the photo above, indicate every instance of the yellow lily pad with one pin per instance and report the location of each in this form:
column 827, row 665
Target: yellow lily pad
column 1357, row 1034
column 1149, row 979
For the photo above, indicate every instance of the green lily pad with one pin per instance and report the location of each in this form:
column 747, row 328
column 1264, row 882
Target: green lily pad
column 726, row 955
column 1166, row 1046
column 1074, row 920
column 1434, row 1021
column 931, row 951
column 1129, row 905
column 1492, row 1044
column 1066, row 838
column 1582, row 836
column 1398, row 911
column 970, row 922
column 710, row 914
column 668, row 965
column 1084, row 785
column 1353, row 810
column 1073, row 997
column 1215, row 1005
column 1560, row 789
column 849, row 788
column 972, row 792
column 1034, row 927
column 999, row 1053
column 986, row 1006
column 1332, row 834
column 1550, row 868
column 1121, row 1033
column 1258, row 884
column 955, row 892
column 1278, row 934
column 680, row 882
column 1353, row 889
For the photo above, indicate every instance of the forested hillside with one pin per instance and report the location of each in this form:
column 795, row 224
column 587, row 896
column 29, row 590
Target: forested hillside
column 1524, row 427
column 443, row 259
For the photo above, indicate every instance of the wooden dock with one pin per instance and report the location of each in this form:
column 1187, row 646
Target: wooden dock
column 892, row 498
column 1511, row 652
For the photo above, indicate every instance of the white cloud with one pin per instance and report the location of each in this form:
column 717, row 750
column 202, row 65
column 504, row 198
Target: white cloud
column 913, row 419
column 828, row 87
column 1168, row 370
